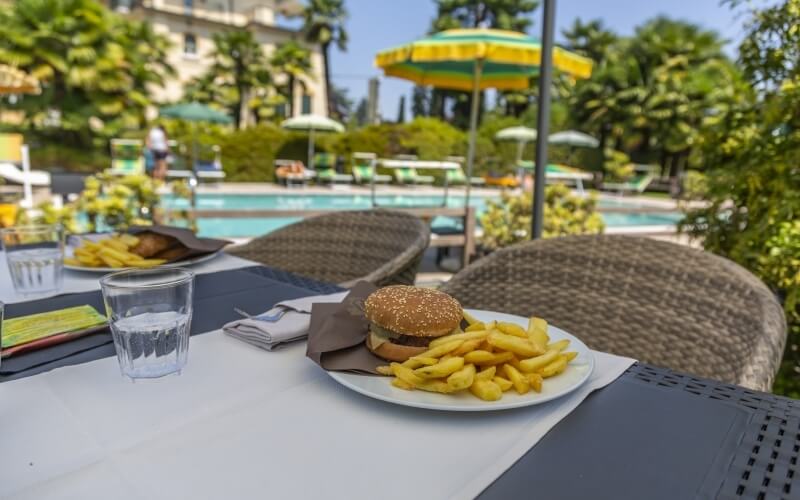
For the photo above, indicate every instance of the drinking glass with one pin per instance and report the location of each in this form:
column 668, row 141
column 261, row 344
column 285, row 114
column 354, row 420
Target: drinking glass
column 150, row 312
column 2, row 311
column 35, row 257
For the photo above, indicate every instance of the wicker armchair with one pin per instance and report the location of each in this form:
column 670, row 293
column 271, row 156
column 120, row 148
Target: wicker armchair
column 379, row 246
column 658, row 302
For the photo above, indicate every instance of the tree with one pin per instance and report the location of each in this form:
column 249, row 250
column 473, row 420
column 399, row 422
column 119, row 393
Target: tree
column 341, row 104
column 420, row 101
column 401, row 110
column 294, row 61
column 95, row 66
column 360, row 115
column 238, row 77
column 500, row 14
column 323, row 23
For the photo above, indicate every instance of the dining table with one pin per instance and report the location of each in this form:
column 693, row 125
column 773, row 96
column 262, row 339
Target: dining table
column 241, row 422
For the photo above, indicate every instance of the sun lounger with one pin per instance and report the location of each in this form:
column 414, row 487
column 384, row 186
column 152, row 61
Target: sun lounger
column 290, row 172
column 325, row 167
column 13, row 155
column 637, row 184
column 408, row 175
column 363, row 168
column 457, row 176
column 127, row 157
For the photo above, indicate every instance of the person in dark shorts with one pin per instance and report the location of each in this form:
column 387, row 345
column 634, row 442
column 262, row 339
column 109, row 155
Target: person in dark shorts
column 159, row 150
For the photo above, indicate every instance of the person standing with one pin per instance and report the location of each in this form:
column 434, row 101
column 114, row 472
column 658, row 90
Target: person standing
column 159, row 150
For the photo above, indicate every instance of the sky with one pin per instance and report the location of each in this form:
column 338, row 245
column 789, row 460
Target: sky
column 377, row 24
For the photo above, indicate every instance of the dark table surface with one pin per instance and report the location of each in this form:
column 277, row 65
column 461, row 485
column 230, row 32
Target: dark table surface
column 651, row 434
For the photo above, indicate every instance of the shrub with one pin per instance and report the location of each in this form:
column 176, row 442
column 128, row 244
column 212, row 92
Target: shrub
column 508, row 221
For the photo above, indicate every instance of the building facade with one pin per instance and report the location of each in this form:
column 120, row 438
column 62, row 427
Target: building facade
column 190, row 25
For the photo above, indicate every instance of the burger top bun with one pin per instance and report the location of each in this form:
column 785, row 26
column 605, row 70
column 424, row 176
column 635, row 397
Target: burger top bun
column 413, row 311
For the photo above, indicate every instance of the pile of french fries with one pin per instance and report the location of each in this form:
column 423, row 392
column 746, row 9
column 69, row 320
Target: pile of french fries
column 487, row 359
column 110, row 252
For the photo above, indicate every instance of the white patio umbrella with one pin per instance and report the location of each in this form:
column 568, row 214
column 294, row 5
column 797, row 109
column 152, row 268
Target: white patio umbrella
column 312, row 124
column 573, row 138
column 520, row 135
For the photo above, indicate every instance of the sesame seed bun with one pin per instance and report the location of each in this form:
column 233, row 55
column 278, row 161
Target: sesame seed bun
column 413, row 311
column 391, row 351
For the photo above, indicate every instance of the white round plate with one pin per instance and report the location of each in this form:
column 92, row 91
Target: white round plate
column 104, row 270
column 576, row 375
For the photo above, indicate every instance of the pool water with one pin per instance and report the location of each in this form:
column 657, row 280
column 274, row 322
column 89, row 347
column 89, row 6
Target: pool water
column 251, row 226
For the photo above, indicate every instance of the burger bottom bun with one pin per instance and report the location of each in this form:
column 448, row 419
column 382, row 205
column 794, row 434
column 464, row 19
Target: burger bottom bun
column 394, row 352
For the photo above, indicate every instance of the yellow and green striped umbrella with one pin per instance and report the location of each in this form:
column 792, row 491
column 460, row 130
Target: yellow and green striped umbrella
column 473, row 60
column 450, row 59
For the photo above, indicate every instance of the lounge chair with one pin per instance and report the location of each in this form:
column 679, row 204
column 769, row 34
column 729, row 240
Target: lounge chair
column 127, row 157
column 13, row 155
column 637, row 184
column 363, row 168
column 210, row 169
column 292, row 172
column 658, row 302
column 325, row 167
column 380, row 246
column 500, row 180
column 409, row 176
column 457, row 177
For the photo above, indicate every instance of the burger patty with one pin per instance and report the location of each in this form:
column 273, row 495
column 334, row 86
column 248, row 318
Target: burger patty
column 399, row 338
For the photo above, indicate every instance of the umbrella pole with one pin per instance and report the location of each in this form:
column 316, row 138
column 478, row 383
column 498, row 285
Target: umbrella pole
column 311, row 148
column 543, row 117
column 473, row 126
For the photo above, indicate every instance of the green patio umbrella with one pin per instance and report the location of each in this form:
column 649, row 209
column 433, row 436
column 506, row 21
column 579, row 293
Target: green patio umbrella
column 312, row 124
column 194, row 112
column 574, row 139
column 520, row 135
column 476, row 59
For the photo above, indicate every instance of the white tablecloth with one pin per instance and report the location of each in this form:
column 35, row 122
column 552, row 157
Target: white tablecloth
column 244, row 423
column 78, row 281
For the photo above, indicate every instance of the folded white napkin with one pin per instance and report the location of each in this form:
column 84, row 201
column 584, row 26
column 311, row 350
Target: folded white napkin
column 288, row 320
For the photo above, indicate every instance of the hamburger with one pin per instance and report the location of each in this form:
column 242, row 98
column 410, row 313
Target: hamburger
column 404, row 319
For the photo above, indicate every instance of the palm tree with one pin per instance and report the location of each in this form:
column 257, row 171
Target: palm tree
column 240, row 69
column 94, row 66
column 294, row 61
column 324, row 24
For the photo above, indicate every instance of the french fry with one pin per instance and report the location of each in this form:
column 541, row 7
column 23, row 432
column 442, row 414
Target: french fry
column 72, row 262
column 405, row 374
column 570, row 355
column 89, row 261
column 480, row 334
column 554, row 368
column 115, row 244
column 475, row 327
column 486, row 390
column 535, row 380
column 83, row 252
column 402, row 385
column 504, row 383
column 470, row 318
column 110, row 262
column 384, row 370
column 441, row 350
column 524, row 347
column 89, row 245
column 514, row 361
column 497, row 358
column 479, row 357
column 531, row 365
column 560, row 345
column 512, row 329
column 147, row 262
column 521, row 384
column 486, row 374
column 537, row 331
column 128, row 239
column 434, row 386
column 417, row 361
column 120, row 255
column 440, row 369
column 462, row 379
column 467, row 346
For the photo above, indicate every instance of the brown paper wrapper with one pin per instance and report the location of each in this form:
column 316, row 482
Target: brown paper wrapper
column 337, row 333
column 187, row 246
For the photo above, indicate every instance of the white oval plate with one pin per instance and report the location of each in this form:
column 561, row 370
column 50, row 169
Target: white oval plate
column 576, row 375
column 183, row 263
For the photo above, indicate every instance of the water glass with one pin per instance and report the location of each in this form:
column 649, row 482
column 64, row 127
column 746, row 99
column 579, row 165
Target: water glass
column 150, row 312
column 35, row 257
column 2, row 311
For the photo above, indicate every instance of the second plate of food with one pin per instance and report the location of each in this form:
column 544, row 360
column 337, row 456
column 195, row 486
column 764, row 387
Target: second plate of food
column 575, row 375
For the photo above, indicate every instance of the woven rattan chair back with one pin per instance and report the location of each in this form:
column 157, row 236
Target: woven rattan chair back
column 658, row 302
column 380, row 246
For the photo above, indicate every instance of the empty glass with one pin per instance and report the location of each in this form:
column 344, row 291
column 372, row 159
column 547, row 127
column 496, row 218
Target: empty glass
column 150, row 312
column 35, row 257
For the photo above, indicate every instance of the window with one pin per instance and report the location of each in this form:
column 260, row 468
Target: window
column 189, row 44
column 306, row 106
column 280, row 110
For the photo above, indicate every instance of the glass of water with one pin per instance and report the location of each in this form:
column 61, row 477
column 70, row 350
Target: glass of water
column 35, row 257
column 149, row 311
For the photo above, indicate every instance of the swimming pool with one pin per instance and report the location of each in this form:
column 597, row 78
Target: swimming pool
column 245, row 227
